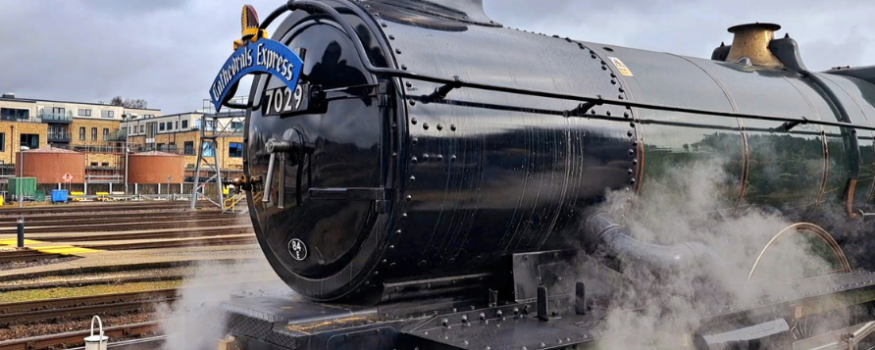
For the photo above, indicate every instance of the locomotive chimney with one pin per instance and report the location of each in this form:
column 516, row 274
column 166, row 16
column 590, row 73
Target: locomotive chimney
column 751, row 41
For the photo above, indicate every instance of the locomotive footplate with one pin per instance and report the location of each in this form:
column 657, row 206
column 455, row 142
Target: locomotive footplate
column 550, row 320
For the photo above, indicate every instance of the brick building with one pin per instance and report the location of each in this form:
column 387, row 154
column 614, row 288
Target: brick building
column 181, row 134
column 103, row 132
column 80, row 126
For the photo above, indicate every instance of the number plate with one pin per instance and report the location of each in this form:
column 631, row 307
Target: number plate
column 283, row 100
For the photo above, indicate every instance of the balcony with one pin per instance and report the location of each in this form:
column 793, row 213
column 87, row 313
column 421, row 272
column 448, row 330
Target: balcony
column 59, row 137
column 53, row 118
column 118, row 135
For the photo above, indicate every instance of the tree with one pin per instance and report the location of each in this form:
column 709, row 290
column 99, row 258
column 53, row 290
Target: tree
column 129, row 103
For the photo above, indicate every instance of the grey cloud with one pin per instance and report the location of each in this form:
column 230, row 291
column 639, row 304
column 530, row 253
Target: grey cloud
column 132, row 8
column 169, row 51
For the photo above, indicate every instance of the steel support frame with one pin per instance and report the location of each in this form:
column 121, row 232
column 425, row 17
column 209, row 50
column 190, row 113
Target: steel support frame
column 209, row 137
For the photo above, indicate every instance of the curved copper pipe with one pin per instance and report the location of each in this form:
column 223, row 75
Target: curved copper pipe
column 745, row 164
column 825, row 178
column 850, row 203
column 816, row 230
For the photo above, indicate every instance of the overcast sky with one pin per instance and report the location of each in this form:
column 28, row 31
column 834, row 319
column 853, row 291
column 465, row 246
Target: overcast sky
column 169, row 51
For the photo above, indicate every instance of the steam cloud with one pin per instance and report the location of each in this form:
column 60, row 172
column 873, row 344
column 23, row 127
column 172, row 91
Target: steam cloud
column 194, row 322
column 689, row 205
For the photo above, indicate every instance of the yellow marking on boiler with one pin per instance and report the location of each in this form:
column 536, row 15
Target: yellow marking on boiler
column 621, row 66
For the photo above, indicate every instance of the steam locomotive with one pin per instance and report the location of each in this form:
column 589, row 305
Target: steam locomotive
column 423, row 177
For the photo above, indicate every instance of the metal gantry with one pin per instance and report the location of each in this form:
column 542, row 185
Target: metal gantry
column 211, row 129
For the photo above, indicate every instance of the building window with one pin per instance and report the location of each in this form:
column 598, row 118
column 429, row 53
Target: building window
column 162, row 148
column 2, row 142
column 14, row 114
column 188, row 148
column 105, row 164
column 171, row 147
column 93, row 134
column 30, row 140
column 93, row 163
column 82, row 134
column 84, row 112
column 185, row 124
column 169, row 125
column 160, row 126
column 177, row 125
column 146, row 116
column 142, row 128
column 235, row 150
column 105, row 134
column 237, row 126
column 107, row 114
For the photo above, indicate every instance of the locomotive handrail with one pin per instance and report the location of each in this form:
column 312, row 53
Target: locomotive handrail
column 456, row 82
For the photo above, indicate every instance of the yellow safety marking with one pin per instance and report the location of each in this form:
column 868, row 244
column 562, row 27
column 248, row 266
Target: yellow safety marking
column 621, row 66
column 50, row 249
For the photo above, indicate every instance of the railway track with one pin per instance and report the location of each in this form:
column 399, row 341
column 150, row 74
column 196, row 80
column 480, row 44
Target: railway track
column 100, row 218
column 126, row 225
column 70, row 339
column 102, row 207
column 32, row 313
column 25, row 313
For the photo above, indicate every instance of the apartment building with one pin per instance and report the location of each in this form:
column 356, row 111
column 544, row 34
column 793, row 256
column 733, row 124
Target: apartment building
column 38, row 123
column 181, row 133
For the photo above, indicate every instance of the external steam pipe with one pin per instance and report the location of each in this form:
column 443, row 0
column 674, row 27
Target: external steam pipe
column 600, row 230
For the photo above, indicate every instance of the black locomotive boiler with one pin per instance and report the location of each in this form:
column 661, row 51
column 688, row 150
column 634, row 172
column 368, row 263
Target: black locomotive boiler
column 424, row 177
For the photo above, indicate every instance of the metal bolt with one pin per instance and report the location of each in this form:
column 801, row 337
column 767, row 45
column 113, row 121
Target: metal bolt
column 409, row 84
column 626, row 115
column 413, row 160
column 440, row 157
column 440, row 127
column 453, row 158
column 604, row 67
column 391, row 37
column 613, row 82
column 404, row 66
column 414, row 140
column 425, row 126
column 409, row 198
column 384, row 25
column 413, row 121
column 453, row 127
column 398, row 51
column 464, row 318
column 412, row 102
column 425, row 157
